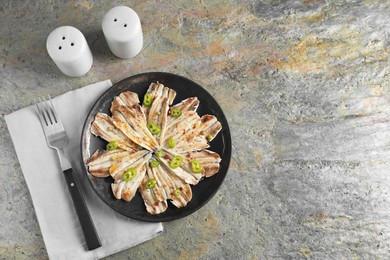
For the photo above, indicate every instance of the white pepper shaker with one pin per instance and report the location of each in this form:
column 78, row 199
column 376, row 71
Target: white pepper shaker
column 69, row 50
column 122, row 30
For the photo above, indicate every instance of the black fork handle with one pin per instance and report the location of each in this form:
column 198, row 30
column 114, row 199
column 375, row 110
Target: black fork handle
column 90, row 234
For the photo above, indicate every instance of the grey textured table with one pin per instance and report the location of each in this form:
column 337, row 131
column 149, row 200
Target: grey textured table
column 304, row 85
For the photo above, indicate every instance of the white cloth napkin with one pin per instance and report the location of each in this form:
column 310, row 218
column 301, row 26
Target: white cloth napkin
column 52, row 201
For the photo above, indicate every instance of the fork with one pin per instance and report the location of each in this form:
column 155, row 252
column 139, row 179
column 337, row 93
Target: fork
column 56, row 139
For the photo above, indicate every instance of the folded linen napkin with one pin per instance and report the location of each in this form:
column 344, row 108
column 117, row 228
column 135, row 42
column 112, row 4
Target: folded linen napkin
column 52, row 201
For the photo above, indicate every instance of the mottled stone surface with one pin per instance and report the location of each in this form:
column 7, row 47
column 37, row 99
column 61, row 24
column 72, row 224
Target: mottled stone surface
column 304, row 85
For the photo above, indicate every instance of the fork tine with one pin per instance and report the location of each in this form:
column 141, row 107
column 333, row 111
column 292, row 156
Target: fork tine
column 53, row 111
column 48, row 112
column 41, row 113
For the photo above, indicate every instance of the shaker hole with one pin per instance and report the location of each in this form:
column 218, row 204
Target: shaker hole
column 115, row 20
column 63, row 37
column 72, row 44
column 60, row 48
column 125, row 25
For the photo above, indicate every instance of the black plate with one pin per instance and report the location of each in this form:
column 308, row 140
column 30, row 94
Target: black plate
column 184, row 88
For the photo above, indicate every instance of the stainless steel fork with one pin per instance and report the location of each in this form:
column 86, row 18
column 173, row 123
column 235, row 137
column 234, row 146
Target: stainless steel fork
column 56, row 138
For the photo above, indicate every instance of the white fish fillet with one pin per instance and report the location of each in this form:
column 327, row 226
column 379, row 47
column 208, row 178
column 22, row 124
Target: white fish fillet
column 209, row 161
column 103, row 127
column 101, row 161
column 171, row 183
column 126, row 189
column 179, row 172
column 154, row 198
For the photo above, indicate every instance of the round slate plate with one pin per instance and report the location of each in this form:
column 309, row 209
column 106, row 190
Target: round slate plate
column 184, row 88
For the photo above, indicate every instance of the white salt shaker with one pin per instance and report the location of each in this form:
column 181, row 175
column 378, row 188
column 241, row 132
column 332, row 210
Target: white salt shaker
column 69, row 50
column 122, row 30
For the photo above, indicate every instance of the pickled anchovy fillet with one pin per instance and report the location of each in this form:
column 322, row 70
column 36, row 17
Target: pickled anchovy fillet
column 171, row 184
column 210, row 126
column 152, row 205
column 188, row 104
column 181, row 127
column 158, row 91
column 103, row 127
column 158, row 115
column 126, row 189
column 119, row 166
column 129, row 98
column 139, row 133
column 101, row 161
column 154, row 198
column 136, row 160
column 179, row 172
column 209, row 161
column 158, row 189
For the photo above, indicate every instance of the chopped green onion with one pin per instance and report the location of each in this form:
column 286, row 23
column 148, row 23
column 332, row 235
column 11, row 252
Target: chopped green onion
column 148, row 99
column 154, row 129
column 151, row 183
column 112, row 145
column 196, row 167
column 176, row 113
column 209, row 138
column 154, row 164
column 130, row 174
column 175, row 161
column 160, row 154
column 171, row 143
column 177, row 192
